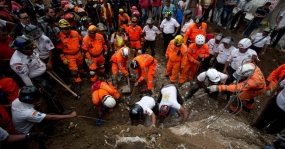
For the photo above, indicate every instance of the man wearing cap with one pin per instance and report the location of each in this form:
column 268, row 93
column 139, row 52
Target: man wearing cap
column 279, row 30
column 195, row 29
column 135, row 36
column 187, row 21
column 228, row 10
column 261, row 41
column 169, row 27
column 260, row 13
column 150, row 31
column 95, row 48
column 123, row 19
column 169, row 97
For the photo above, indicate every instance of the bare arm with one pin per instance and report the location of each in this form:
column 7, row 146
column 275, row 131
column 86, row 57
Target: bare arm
column 15, row 138
column 60, row 117
column 226, row 66
column 185, row 114
column 153, row 119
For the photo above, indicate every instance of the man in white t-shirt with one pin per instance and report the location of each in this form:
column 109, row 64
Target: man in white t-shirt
column 261, row 41
column 150, row 31
column 24, row 114
column 187, row 21
column 239, row 57
column 207, row 78
column 168, row 98
column 279, row 29
column 213, row 48
column 145, row 106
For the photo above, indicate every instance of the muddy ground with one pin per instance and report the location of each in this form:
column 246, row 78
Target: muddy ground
column 228, row 131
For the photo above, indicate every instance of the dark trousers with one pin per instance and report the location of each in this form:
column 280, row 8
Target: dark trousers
column 219, row 66
column 150, row 44
column 206, row 14
column 167, row 38
column 230, row 73
column 279, row 34
column 115, row 21
column 256, row 49
column 273, row 116
column 251, row 26
column 238, row 17
column 206, row 62
column 196, row 87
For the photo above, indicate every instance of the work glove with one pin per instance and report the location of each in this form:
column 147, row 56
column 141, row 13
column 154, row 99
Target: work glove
column 88, row 61
column 161, row 126
column 106, row 52
column 99, row 121
column 268, row 93
column 211, row 61
column 173, row 35
column 136, row 84
column 198, row 63
column 37, row 136
column 65, row 61
column 213, row 88
column 126, row 74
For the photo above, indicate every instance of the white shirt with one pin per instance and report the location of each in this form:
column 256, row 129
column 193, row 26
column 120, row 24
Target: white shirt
column 44, row 45
column 246, row 6
column 185, row 26
column 237, row 59
column 24, row 116
column 281, row 97
column 150, row 33
column 213, row 47
column 147, row 103
column 202, row 77
column 180, row 3
column 282, row 21
column 169, row 97
column 260, row 43
column 27, row 66
column 169, row 26
column 2, row 23
column 224, row 53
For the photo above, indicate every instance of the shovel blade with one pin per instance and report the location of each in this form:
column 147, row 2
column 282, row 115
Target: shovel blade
column 126, row 89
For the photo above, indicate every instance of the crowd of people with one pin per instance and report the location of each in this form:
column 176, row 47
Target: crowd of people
column 70, row 40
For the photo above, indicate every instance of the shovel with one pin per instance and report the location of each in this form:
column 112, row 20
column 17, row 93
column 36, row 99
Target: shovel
column 126, row 89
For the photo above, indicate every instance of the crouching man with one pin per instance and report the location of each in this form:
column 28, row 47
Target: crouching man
column 168, row 98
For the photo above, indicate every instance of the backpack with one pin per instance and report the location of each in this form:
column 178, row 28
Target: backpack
column 95, row 86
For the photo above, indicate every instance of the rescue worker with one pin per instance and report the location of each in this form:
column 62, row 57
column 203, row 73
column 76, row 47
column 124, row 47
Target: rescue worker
column 187, row 21
column 195, row 29
column 135, row 36
column 169, row 28
column 221, row 54
column 168, row 98
column 72, row 20
column 213, row 48
column 69, row 43
column 240, row 56
column 118, row 40
column 150, row 31
column 107, row 15
column 145, row 65
column 250, row 83
column 174, row 54
column 119, row 64
column 8, row 91
column 83, row 28
column 43, row 43
column 273, row 78
column 24, row 113
column 145, row 106
column 206, row 79
column 105, row 96
column 192, row 59
column 95, row 48
column 124, row 19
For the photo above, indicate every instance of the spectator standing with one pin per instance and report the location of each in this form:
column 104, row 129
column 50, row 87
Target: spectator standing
column 279, row 30
column 156, row 9
column 228, row 10
column 24, row 20
column 169, row 7
column 219, row 7
column 39, row 8
column 144, row 4
column 150, row 31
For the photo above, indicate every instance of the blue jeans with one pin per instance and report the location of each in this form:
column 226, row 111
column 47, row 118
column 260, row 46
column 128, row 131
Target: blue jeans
column 268, row 147
column 225, row 17
column 217, row 15
column 144, row 14
column 250, row 26
column 155, row 12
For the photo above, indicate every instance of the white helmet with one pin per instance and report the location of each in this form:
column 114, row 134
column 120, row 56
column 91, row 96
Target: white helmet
column 244, row 43
column 109, row 101
column 125, row 52
column 243, row 71
column 213, row 75
column 227, row 40
column 200, row 39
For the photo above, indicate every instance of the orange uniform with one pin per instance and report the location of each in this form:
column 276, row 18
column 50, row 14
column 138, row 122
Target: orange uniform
column 275, row 76
column 174, row 56
column 190, row 58
column 147, row 68
column 119, row 63
column 193, row 31
column 248, row 89
column 70, row 46
column 105, row 89
column 124, row 21
column 10, row 90
column 135, row 34
column 95, row 49
column 6, row 122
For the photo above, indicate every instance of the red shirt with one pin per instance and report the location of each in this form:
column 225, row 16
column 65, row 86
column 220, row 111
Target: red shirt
column 6, row 52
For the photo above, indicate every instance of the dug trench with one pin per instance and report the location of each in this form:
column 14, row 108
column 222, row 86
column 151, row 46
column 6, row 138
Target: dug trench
column 228, row 131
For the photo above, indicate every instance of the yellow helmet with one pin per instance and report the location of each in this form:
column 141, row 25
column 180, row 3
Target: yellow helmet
column 134, row 19
column 92, row 28
column 62, row 23
column 178, row 40
column 121, row 10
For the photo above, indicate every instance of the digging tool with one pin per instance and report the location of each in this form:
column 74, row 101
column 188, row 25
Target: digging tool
column 126, row 89
column 266, row 103
column 65, row 86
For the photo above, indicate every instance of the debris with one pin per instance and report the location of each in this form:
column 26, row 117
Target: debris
column 128, row 129
column 153, row 140
column 71, row 125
